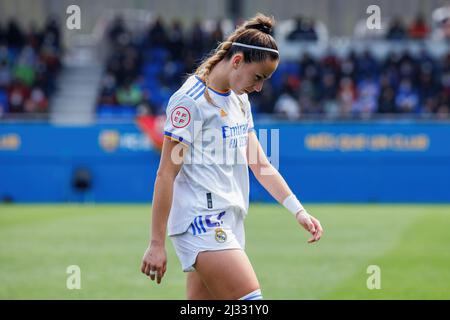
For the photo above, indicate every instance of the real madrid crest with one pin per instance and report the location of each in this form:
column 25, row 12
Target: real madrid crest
column 221, row 236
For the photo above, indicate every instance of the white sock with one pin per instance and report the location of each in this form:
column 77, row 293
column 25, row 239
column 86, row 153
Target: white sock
column 254, row 295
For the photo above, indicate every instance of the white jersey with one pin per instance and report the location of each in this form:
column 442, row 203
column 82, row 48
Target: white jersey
column 214, row 176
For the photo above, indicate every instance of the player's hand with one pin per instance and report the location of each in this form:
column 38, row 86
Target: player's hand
column 154, row 262
column 311, row 224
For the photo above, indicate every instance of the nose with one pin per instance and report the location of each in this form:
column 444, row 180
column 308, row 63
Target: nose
column 258, row 86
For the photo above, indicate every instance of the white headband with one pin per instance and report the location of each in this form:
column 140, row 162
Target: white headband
column 254, row 47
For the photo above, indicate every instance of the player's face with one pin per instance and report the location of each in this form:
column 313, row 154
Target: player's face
column 249, row 77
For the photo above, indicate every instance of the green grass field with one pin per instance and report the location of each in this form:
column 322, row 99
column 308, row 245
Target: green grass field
column 410, row 243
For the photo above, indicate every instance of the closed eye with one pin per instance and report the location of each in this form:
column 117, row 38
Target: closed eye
column 259, row 77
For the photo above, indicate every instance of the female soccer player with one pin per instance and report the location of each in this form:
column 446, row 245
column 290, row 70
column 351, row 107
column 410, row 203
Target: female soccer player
column 202, row 184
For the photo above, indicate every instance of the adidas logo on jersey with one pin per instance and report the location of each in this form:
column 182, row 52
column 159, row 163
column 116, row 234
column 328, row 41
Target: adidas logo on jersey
column 223, row 113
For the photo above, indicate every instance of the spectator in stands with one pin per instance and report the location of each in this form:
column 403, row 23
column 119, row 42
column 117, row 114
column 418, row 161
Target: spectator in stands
column 129, row 94
column 17, row 95
column 3, row 103
column 329, row 90
column 443, row 112
column 5, row 72
column 24, row 68
column 217, row 35
column 346, row 95
column 419, row 28
column 389, row 67
column 445, row 84
column 197, row 40
column 176, row 41
column 429, row 86
column 34, row 37
column 146, row 107
column 430, row 106
column 129, row 68
column 49, row 66
column 308, row 98
column 14, row 35
column 407, row 66
column 309, row 68
column 426, row 63
column 37, row 101
column 397, row 30
column 2, row 35
column 331, row 64
column 367, row 102
column 51, row 34
column 117, row 29
column 329, row 86
column 108, row 89
column 264, row 102
column 157, row 34
column 287, row 105
column 407, row 99
column 386, row 101
column 304, row 30
column 5, row 75
column 366, row 65
column 332, row 85
column 349, row 65
column 29, row 64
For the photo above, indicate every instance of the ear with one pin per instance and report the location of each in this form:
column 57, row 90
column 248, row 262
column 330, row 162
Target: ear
column 237, row 59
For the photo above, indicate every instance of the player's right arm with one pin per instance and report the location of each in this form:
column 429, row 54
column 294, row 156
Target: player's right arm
column 179, row 133
column 155, row 257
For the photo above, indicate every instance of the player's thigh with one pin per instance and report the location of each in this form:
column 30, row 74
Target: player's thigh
column 228, row 274
column 196, row 289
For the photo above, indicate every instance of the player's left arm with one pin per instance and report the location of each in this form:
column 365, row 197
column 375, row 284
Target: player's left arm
column 274, row 183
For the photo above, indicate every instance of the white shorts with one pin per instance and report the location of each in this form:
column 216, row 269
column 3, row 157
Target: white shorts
column 209, row 232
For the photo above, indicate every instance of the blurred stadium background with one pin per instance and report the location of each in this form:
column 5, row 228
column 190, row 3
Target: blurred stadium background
column 362, row 115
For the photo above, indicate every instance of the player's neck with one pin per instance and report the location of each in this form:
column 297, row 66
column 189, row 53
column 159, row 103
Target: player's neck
column 218, row 78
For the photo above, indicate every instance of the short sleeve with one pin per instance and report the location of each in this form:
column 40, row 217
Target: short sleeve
column 182, row 117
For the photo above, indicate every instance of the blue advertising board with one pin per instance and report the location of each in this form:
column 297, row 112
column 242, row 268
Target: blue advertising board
column 322, row 162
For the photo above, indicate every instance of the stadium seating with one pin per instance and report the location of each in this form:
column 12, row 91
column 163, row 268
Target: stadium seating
column 29, row 64
column 303, row 76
